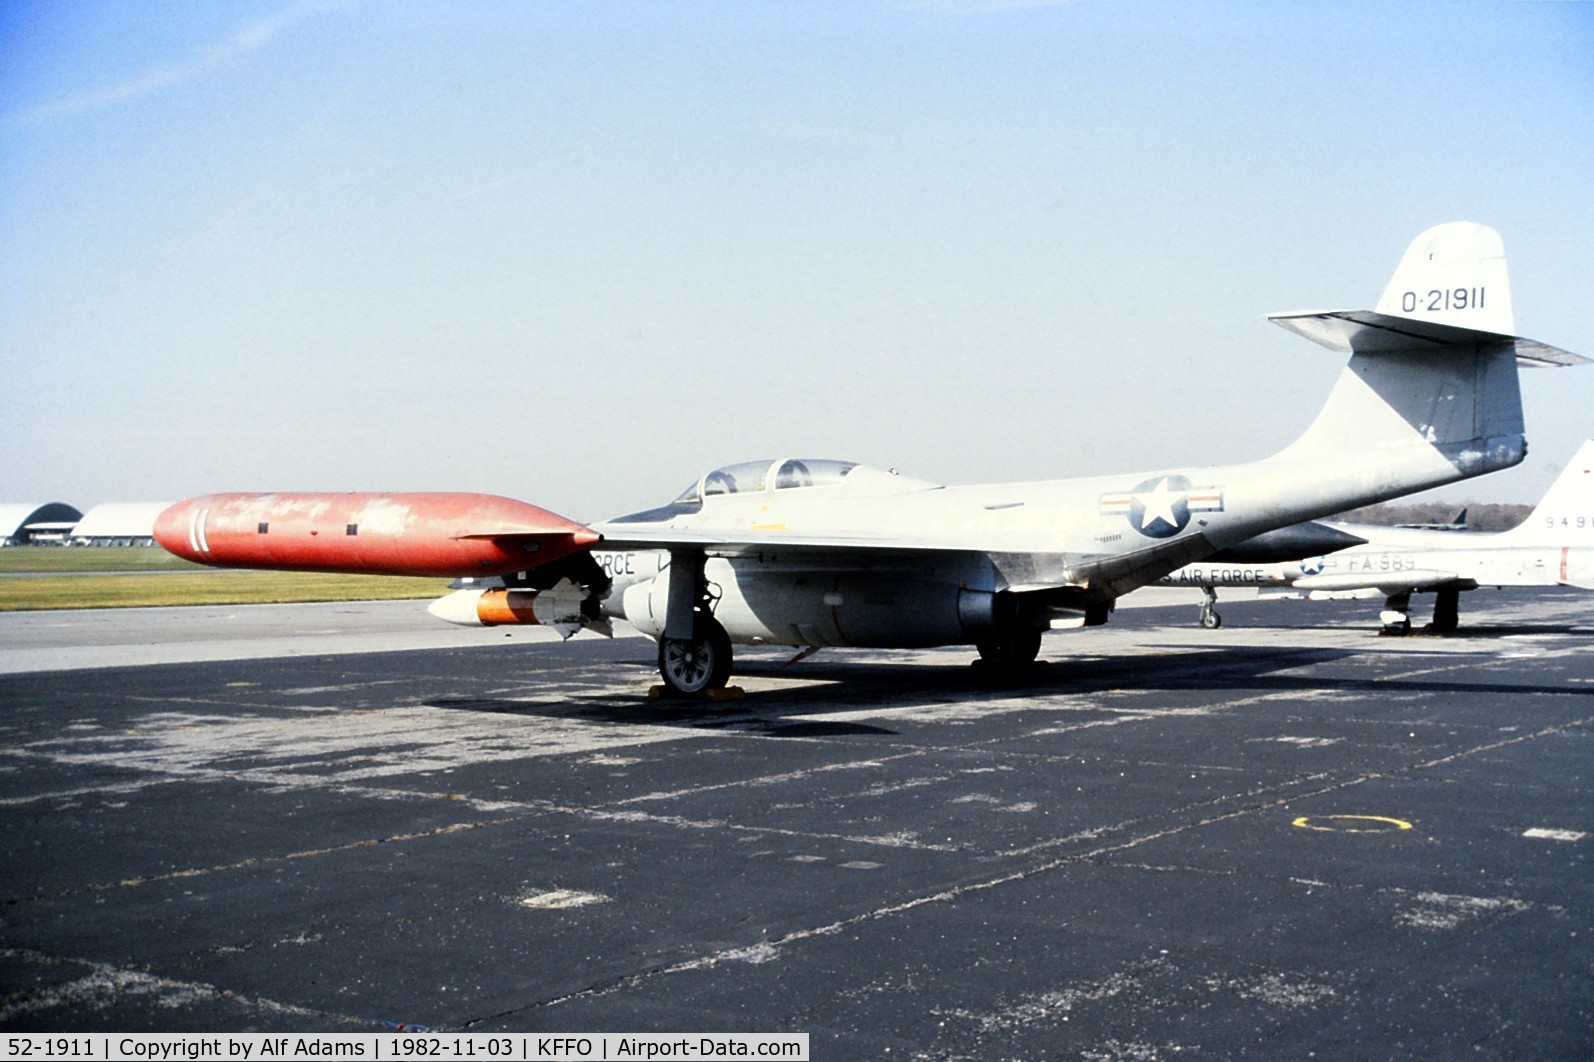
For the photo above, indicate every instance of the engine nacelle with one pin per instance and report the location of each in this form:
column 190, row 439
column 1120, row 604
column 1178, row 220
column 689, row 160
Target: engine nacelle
column 836, row 609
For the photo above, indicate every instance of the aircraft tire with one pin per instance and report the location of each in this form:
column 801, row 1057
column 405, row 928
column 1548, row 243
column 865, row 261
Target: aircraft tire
column 1211, row 620
column 1010, row 648
column 692, row 667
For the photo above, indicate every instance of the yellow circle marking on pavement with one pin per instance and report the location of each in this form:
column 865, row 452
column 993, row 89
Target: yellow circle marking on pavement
column 1351, row 823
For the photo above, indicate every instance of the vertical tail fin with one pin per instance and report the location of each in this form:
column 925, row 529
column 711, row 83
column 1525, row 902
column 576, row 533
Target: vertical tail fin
column 1565, row 515
column 1430, row 394
column 1453, row 275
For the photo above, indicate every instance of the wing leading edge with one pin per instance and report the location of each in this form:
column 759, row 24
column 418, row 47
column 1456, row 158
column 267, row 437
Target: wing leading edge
column 1101, row 575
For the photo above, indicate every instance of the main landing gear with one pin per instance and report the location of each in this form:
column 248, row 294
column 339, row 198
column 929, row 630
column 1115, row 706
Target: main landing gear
column 1009, row 648
column 1446, row 611
column 695, row 651
column 1396, row 616
column 1209, row 617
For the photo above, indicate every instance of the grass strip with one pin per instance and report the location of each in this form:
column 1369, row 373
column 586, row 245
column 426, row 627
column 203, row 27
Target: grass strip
column 206, row 587
column 92, row 559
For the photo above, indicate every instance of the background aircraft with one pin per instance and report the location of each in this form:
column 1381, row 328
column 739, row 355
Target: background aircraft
column 1554, row 546
column 814, row 553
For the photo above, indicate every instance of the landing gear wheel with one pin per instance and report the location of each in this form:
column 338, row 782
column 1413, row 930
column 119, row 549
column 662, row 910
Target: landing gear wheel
column 1010, row 648
column 692, row 666
column 1210, row 619
column 1396, row 616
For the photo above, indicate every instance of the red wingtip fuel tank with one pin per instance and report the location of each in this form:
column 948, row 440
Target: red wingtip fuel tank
column 446, row 535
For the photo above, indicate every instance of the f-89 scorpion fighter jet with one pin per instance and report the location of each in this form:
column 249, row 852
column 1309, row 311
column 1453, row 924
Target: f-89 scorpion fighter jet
column 812, row 553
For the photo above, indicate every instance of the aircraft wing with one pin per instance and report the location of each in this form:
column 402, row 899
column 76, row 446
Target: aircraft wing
column 721, row 542
column 1102, row 575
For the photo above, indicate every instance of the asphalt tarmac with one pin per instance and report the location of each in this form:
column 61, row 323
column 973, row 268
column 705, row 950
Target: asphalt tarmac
column 1284, row 838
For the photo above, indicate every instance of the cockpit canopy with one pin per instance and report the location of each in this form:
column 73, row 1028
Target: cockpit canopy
column 750, row 477
column 788, row 473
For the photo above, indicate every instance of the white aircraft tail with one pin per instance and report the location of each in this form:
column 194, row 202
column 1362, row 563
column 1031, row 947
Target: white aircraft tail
column 1430, row 394
column 1453, row 275
column 1565, row 515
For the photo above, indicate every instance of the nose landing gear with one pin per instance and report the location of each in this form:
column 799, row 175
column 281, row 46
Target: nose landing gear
column 695, row 651
column 1396, row 616
column 690, row 666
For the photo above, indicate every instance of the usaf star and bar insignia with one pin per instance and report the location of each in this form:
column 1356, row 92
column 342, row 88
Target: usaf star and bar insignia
column 1161, row 507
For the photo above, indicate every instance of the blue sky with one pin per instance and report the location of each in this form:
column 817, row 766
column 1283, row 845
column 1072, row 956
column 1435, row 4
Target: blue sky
column 576, row 253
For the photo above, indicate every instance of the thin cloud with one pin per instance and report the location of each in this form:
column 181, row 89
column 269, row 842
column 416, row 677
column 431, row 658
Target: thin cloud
column 248, row 39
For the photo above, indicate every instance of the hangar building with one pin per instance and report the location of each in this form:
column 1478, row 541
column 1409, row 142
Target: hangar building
column 22, row 523
column 118, row 524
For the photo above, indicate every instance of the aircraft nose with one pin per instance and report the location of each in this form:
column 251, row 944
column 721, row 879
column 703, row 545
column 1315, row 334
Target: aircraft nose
column 179, row 529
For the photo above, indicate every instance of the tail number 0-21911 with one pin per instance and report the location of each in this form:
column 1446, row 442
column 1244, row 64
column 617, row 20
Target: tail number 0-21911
column 1446, row 299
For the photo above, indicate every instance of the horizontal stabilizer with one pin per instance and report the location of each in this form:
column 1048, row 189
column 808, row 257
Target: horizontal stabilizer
column 1450, row 290
column 1369, row 332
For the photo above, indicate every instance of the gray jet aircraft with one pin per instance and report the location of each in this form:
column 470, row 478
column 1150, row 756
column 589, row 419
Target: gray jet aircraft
column 811, row 553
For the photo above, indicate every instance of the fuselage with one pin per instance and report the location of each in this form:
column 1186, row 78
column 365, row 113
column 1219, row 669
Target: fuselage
column 848, row 555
